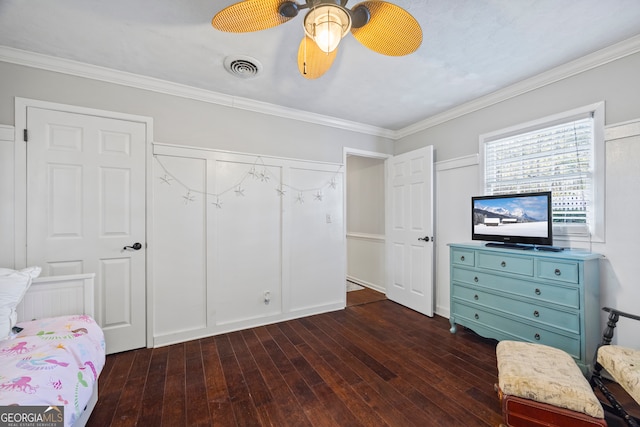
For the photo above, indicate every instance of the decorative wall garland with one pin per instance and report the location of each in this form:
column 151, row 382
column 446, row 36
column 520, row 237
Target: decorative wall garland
column 253, row 173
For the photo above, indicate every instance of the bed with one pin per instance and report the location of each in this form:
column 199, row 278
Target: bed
column 55, row 351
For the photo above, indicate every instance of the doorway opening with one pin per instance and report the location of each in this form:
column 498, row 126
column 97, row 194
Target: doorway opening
column 365, row 226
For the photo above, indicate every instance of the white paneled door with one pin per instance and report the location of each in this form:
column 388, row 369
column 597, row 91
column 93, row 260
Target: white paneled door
column 86, row 212
column 409, row 229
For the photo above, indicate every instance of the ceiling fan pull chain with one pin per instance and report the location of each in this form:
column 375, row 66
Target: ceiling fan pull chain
column 304, row 64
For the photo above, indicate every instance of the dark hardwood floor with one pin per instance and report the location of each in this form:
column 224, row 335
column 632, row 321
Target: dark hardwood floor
column 364, row 296
column 375, row 363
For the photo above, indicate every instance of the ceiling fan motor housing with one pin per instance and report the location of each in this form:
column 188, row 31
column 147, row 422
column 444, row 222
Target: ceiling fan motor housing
column 360, row 16
column 289, row 9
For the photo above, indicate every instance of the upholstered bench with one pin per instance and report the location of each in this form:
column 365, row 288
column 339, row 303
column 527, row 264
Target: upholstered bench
column 540, row 385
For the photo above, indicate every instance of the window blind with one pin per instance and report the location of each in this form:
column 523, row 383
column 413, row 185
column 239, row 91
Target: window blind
column 556, row 158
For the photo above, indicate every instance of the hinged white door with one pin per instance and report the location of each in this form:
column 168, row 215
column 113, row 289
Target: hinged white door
column 409, row 229
column 85, row 203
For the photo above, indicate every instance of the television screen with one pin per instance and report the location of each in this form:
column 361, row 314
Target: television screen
column 513, row 218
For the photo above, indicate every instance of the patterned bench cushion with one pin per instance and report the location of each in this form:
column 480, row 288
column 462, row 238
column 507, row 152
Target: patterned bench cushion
column 545, row 374
column 623, row 364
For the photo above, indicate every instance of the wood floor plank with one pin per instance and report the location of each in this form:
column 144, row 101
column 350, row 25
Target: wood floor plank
column 153, row 395
column 216, row 386
column 195, row 387
column 174, row 414
column 375, row 363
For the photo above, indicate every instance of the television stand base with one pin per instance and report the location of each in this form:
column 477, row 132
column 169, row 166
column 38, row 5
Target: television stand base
column 549, row 248
column 509, row 246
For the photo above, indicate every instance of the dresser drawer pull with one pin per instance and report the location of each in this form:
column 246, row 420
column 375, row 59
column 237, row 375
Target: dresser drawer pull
column 503, row 264
column 476, row 297
column 537, row 337
column 462, row 258
column 536, row 313
column 557, row 272
column 537, row 291
column 477, row 316
column 475, row 279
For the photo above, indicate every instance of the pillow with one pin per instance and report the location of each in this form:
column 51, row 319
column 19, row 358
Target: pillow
column 13, row 286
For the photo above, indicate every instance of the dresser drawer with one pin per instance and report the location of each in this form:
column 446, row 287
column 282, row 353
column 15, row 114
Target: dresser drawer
column 474, row 315
column 509, row 264
column 567, row 296
column 463, row 257
column 563, row 271
column 568, row 321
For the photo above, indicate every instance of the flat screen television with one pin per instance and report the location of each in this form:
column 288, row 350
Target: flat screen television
column 514, row 220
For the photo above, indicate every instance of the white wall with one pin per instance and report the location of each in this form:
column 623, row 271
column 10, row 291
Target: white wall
column 457, row 140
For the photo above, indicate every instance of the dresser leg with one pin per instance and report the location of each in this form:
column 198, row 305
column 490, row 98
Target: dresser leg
column 453, row 326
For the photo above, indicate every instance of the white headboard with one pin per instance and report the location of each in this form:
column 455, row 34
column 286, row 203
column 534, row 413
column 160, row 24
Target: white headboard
column 58, row 296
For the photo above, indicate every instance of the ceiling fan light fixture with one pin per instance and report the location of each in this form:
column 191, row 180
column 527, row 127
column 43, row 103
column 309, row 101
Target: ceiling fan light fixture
column 327, row 25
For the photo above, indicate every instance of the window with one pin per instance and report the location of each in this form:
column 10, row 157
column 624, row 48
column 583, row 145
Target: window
column 563, row 154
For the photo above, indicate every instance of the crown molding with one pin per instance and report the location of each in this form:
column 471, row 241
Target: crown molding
column 79, row 69
column 580, row 65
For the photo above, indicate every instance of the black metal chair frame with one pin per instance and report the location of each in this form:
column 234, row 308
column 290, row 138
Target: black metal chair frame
column 596, row 377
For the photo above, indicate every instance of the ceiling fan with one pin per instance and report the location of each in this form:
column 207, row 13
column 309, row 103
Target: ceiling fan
column 381, row 26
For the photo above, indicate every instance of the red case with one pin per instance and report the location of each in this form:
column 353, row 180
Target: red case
column 519, row 412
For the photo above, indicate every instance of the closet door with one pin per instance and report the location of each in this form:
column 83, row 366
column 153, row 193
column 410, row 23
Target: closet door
column 85, row 204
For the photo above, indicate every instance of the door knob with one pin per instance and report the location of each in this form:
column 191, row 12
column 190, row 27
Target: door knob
column 425, row 238
column 136, row 247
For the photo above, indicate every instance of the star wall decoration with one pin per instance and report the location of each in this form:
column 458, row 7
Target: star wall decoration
column 258, row 170
column 166, row 179
column 188, row 198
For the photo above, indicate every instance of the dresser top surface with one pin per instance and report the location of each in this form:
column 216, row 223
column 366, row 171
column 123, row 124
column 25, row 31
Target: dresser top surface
column 573, row 254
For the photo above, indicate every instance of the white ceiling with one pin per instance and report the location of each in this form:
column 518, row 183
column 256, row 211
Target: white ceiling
column 471, row 48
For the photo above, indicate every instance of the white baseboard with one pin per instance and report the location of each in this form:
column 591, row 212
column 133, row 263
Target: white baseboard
column 367, row 284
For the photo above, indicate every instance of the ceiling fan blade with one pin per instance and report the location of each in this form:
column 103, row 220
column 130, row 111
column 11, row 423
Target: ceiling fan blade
column 313, row 62
column 251, row 15
column 391, row 30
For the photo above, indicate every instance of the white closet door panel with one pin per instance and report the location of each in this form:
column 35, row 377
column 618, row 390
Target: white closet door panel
column 246, row 240
column 116, row 307
column 65, row 268
column 180, row 291
column 115, row 204
column 317, row 262
column 65, row 201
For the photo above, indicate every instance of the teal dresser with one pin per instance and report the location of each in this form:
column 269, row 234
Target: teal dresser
column 550, row 298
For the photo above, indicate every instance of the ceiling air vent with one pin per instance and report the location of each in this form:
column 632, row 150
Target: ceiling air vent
column 242, row 66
